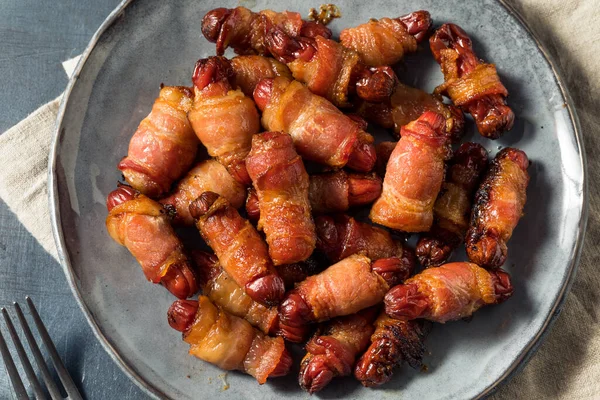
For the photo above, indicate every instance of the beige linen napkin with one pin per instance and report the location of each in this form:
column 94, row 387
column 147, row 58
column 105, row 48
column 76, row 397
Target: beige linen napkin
column 567, row 364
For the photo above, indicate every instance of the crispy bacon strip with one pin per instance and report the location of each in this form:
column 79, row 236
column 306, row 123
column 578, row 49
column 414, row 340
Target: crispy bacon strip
column 450, row 292
column 393, row 342
column 470, row 83
column 331, row 192
column 223, row 291
column 281, row 183
column 164, row 146
column 498, row 206
column 329, row 69
column 387, row 40
column 240, row 249
column 333, row 351
column 141, row 225
column 244, row 30
column 453, row 206
column 224, row 119
column 413, row 176
column 206, row 176
column 339, row 236
column 227, row 341
column 320, row 131
column 342, row 289
column 249, row 70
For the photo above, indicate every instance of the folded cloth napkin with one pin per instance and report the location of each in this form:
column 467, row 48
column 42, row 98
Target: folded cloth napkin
column 567, row 364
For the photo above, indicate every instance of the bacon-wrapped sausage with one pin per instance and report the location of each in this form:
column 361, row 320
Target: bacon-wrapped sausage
column 447, row 293
column 244, row 30
column 497, row 208
column 342, row 289
column 470, row 83
column 249, row 70
column 330, row 69
column 339, row 236
column 227, row 341
column 224, row 119
column 408, row 103
column 281, row 183
column 414, row 176
column 387, row 40
column 331, row 192
column 393, row 342
column 241, row 251
column 141, row 225
column 333, row 351
column 164, row 146
column 320, row 131
column 338, row 191
column 222, row 290
column 453, row 206
column 206, row 176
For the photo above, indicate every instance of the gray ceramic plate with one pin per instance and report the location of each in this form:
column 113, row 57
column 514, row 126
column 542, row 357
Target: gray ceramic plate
column 144, row 43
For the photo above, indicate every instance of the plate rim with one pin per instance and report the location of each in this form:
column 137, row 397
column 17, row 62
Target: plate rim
column 518, row 363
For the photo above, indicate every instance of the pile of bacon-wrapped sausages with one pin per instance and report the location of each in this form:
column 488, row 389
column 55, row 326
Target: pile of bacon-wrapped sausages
column 291, row 259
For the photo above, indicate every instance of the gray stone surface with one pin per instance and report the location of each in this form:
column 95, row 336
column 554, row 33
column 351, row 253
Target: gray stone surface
column 35, row 37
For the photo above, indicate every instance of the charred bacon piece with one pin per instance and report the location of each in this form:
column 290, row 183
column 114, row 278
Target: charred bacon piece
column 497, row 208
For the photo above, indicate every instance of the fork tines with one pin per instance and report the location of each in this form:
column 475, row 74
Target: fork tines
column 13, row 374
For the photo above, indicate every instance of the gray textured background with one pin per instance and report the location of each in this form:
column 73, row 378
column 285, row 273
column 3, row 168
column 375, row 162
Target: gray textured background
column 35, row 37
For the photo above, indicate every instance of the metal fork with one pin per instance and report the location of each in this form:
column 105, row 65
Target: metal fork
column 65, row 378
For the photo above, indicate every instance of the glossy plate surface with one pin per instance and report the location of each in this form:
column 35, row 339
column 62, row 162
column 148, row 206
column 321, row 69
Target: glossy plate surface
column 144, row 43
